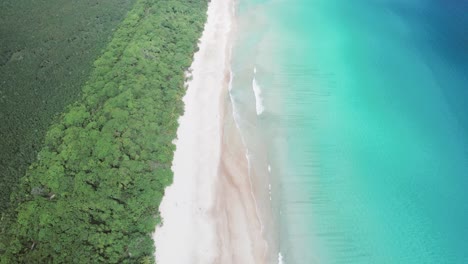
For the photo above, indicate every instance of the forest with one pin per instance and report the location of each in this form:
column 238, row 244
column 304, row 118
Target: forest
column 47, row 50
column 92, row 195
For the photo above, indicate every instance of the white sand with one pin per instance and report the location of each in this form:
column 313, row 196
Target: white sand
column 209, row 212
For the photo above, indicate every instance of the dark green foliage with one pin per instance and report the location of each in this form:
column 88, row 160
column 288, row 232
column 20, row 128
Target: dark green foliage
column 47, row 48
column 93, row 194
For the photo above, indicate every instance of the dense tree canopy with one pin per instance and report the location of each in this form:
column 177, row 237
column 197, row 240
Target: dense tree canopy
column 93, row 194
column 47, row 49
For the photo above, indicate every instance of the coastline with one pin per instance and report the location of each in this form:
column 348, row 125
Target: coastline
column 210, row 213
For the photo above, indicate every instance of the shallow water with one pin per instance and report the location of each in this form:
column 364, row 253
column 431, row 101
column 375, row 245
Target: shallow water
column 365, row 125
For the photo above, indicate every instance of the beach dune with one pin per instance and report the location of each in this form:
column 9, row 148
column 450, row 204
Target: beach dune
column 209, row 212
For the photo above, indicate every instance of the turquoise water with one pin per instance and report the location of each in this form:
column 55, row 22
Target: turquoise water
column 366, row 119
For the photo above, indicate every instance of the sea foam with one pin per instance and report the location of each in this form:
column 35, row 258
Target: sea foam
column 280, row 258
column 258, row 95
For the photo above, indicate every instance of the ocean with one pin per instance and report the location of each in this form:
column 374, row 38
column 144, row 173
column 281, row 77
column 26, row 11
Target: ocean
column 357, row 112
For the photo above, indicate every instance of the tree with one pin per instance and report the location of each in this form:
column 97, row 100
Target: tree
column 93, row 194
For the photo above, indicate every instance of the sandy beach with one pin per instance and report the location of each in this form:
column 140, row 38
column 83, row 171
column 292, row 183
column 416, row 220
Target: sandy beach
column 210, row 214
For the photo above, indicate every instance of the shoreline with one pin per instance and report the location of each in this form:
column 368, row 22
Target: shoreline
column 210, row 212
